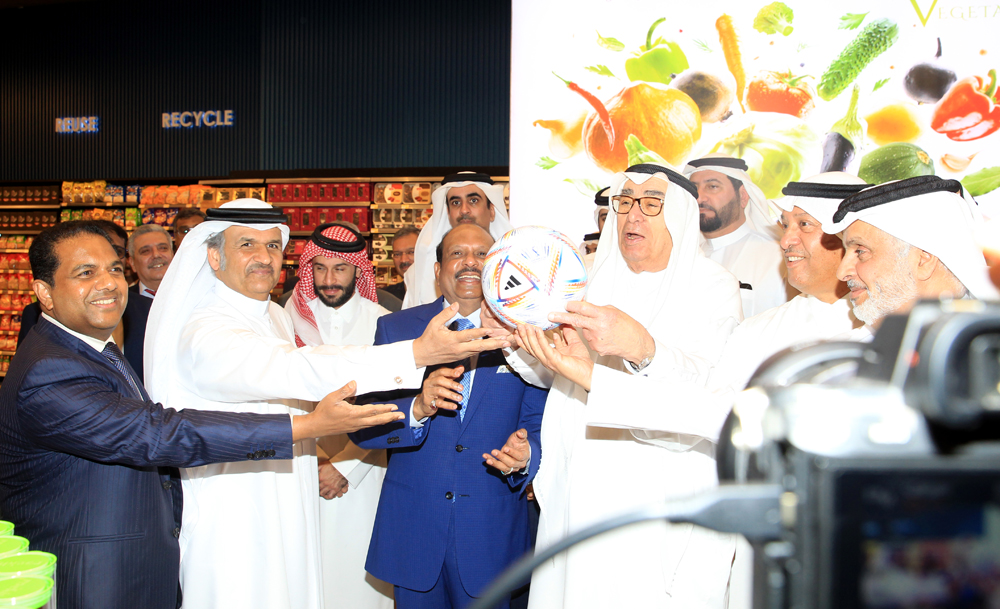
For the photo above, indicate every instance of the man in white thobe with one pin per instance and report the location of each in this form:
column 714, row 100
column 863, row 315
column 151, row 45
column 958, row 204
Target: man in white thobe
column 906, row 241
column 608, row 456
column 462, row 198
column 250, row 532
column 812, row 257
column 335, row 303
column 739, row 232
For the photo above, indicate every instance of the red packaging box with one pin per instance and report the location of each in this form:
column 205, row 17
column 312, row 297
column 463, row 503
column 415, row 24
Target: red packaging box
column 350, row 192
column 325, row 192
column 338, row 192
column 364, row 192
column 272, row 193
column 298, row 193
column 309, row 218
column 309, row 192
column 294, row 217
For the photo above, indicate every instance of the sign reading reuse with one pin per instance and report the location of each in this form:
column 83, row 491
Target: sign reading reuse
column 203, row 118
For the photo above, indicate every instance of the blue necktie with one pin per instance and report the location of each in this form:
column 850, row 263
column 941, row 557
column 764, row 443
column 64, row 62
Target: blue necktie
column 115, row 357
column 466, row 380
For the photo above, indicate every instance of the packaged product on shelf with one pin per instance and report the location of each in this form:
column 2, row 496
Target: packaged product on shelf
column 405, row 217
column 417, row 192
column 423, row 218
column 11, row 343
column 26, row 299
column 223, row 195
column 272, row 193
column 132, row 218
column 5, row 321
column 114, row 194
column 171, row 214
column 4, row 302
column 132, row 193
column 76, row 214
column 381, row 276
column 3, row 280
column 5, row 363
column 256, row 193
column 171, row 198
column 147, row 216
column 160, row 216
column 15, row 322
column 23, row 281
column 3, row 241
column 119, row 217
column 88, row 214
column 28, row 241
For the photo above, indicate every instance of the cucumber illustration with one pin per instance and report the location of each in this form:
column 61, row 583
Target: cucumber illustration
column 874, row 40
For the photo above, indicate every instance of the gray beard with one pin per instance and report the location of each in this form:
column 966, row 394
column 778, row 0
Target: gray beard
column 887, row 297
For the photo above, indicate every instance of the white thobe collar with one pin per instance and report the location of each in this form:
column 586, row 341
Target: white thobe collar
column 474, row 317
column 251, row 307
column 97, row 344
column 720, row 242
column 325, row 314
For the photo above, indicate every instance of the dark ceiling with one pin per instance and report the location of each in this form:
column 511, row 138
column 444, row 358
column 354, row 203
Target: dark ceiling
column 28, row 3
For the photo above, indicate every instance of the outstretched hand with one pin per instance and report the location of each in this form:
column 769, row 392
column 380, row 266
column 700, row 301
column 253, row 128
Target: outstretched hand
column 514, row 455
column 440, row 391
column 567, row 355
column 335, row 415
column 440, row 345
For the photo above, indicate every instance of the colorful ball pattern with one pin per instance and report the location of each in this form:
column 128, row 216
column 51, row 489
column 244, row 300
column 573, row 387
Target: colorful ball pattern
column 530, row 272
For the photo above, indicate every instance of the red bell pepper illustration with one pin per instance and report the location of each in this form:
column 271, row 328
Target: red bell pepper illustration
column 969, row 110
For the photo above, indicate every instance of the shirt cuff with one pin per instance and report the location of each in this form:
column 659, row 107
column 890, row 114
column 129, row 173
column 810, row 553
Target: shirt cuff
column 413, row 421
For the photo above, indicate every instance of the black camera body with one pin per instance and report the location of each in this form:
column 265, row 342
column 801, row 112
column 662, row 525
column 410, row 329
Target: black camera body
column 886, row 461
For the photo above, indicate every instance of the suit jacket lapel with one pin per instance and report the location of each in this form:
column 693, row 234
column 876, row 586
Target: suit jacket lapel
column 486, row 370
column 55, row 334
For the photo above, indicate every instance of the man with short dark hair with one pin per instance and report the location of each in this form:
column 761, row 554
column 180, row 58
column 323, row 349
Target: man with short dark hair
column 80, row 440
column 150, row 251
column 453, row 514
column 404, row 243
column 739, row 232
column 462, row 198
column 186, row 219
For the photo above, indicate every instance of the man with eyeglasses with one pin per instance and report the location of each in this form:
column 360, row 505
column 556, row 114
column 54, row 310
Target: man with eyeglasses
column 740, row 232
column 187, row 218
column 404, row 244
column 463, row 198
column 656, row 310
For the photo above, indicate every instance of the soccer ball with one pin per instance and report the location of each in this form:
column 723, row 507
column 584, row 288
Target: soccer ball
column 530, row 272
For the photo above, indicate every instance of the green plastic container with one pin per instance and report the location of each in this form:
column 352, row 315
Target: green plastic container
column 35, row 563
column 6, row 528
column 12, row 544
column 25, row 592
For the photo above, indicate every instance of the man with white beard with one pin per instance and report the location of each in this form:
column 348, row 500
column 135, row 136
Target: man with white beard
column 909, row 240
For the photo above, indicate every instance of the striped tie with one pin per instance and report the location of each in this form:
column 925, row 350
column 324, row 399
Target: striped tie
column 464, row 324
column 115, row 357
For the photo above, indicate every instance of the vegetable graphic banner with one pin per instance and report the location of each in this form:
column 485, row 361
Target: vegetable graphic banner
column 883, row 89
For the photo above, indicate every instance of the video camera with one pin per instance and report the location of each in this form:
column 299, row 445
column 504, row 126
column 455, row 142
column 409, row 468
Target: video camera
column 864, row 475
column 886, row 459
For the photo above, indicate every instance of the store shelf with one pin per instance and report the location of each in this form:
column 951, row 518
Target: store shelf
column 164, row 205
column 320, row 180
column 27, row 270
column 36, row 207
column 320, row 203
column 88, row 205
column 384, row 231
column 3, row 251
column 402, row 205
column 16, row 292
column 6, row 352
column 290, row 262
column 247, row 181
column 9, row 332
column 386, row 263
column 21, row 231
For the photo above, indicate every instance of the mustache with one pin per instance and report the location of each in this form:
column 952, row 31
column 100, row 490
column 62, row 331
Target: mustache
column 154, row 261
column 853, row 284
column 794, row 252
column 475, row 272
column 257, row 266
column 466, row 218
column 330, row 287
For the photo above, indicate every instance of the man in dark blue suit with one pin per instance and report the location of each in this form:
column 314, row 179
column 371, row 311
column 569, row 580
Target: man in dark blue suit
column 80, row 441
column 133, row 324
column 453, row 514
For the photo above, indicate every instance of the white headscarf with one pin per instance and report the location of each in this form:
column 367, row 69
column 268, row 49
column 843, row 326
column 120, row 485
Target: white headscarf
column 659, row 300
column 419, row 278
column 821, row 205
column 187, row 281
column 927, row 213
column 758, row 213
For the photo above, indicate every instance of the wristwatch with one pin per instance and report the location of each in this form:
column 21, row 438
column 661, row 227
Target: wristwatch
column 637, row 368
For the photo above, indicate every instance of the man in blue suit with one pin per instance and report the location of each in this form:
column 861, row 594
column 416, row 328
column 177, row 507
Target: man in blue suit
column 453, row 515
column 80, row 441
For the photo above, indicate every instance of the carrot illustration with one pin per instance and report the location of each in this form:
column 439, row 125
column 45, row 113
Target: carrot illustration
column 731, row 49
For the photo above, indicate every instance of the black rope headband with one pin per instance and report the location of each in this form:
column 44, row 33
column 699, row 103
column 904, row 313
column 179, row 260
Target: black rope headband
column 894, row 191
column 822, row 191
column 467, row 177
column 720, row 161
column 672, row 175
column 334, row 245
column 247, row 215
column 601, row 198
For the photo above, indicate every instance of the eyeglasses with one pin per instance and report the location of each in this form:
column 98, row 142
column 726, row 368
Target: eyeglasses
column 121, row 252
column 649, row 206
column 401, row 253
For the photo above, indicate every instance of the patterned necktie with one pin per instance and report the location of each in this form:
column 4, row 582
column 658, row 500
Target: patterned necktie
column 115, row 357
column 466, row 380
